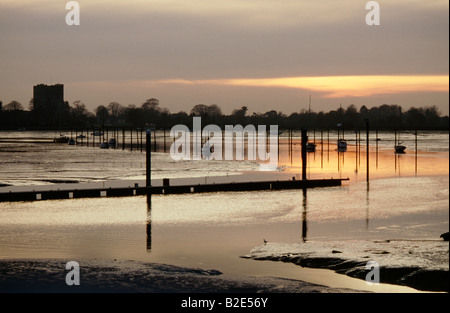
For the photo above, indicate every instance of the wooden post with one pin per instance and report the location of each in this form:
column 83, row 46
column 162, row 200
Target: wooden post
column 137, row 138
column 415, row 158
column 376, row 148
column 141, row 140
column 356, row 150
column 367, row 150
column 123, row 138
column 395, row 137
column 131, row 139
column 321, row 148
column 165, row 140
column 278, row 147
column 148, row 156
column 328, row 145
column 304, row 140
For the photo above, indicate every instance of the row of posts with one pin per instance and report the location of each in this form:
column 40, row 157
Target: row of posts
column 83, row 137
column 104, row 134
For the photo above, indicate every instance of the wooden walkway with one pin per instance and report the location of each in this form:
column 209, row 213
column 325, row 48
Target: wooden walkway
column 167, row 189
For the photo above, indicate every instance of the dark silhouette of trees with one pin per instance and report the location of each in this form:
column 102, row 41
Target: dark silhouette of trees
column 151, row 114
column 102, row 115
column 210, row 114
column 79, row 115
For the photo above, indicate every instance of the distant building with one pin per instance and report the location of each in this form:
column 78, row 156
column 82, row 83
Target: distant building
column 48, row 105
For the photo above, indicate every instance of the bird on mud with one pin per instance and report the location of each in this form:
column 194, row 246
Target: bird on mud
column 265, row 241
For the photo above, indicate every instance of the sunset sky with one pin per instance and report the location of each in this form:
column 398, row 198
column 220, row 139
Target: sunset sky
column 258, row 53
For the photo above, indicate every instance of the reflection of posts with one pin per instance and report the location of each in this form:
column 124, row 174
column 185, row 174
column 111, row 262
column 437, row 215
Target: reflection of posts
column 367, row 206
column 304, row 220
column 149, row 221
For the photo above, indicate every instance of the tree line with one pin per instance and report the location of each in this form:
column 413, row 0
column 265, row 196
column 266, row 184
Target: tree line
column 151, row 114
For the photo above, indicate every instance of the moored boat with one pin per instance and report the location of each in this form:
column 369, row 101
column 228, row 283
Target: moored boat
column 399, row 148
column 311, row 147
column 104, row 145
column 61, row 139
column 342, row 144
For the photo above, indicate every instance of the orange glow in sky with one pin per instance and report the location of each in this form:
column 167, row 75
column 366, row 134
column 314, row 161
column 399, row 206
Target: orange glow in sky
column 340, row 86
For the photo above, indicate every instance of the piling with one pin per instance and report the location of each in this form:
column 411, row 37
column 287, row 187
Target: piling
column 141, row 140
column 415, row 155
column 148, row 156
column 367, row 150
column 123, row 138
column 165, row 140
column 304, row 141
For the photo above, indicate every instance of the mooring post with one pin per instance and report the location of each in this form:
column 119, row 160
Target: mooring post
column 141, row 140
column 367, row 150
column 131, row 139
column 165, row 140
column 304, row 140
column 415, row 158
column 148, row 157
column 123, row 138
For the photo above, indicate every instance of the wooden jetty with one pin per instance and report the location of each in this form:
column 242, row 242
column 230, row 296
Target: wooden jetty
column 166, row 189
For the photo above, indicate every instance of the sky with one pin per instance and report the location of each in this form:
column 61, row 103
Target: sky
column 266, row 55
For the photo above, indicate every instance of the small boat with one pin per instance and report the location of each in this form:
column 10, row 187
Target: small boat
column 104, row 145
column 342, row 144
column 61, row 139
column 81, row 136
column 311, row 147
column 399, row 148
column 97, row 133
column 71, row 142
column 112, row 143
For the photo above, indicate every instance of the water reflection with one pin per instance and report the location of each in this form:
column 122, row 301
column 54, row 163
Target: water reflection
column 149, row 222
column 367, row 206
column 304, row 219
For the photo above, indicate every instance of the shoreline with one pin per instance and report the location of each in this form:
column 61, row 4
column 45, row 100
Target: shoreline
column 129, row 276
column 422, row 265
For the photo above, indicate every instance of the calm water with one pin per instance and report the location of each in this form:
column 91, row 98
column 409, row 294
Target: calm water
column 406, row 198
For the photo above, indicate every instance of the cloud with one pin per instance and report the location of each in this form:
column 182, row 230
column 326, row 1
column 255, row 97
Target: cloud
column 338, row 86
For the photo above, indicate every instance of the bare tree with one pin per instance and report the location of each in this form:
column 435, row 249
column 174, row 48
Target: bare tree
column 13, row 106
column 115, row 110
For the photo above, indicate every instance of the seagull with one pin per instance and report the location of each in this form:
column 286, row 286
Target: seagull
column 265, row 241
